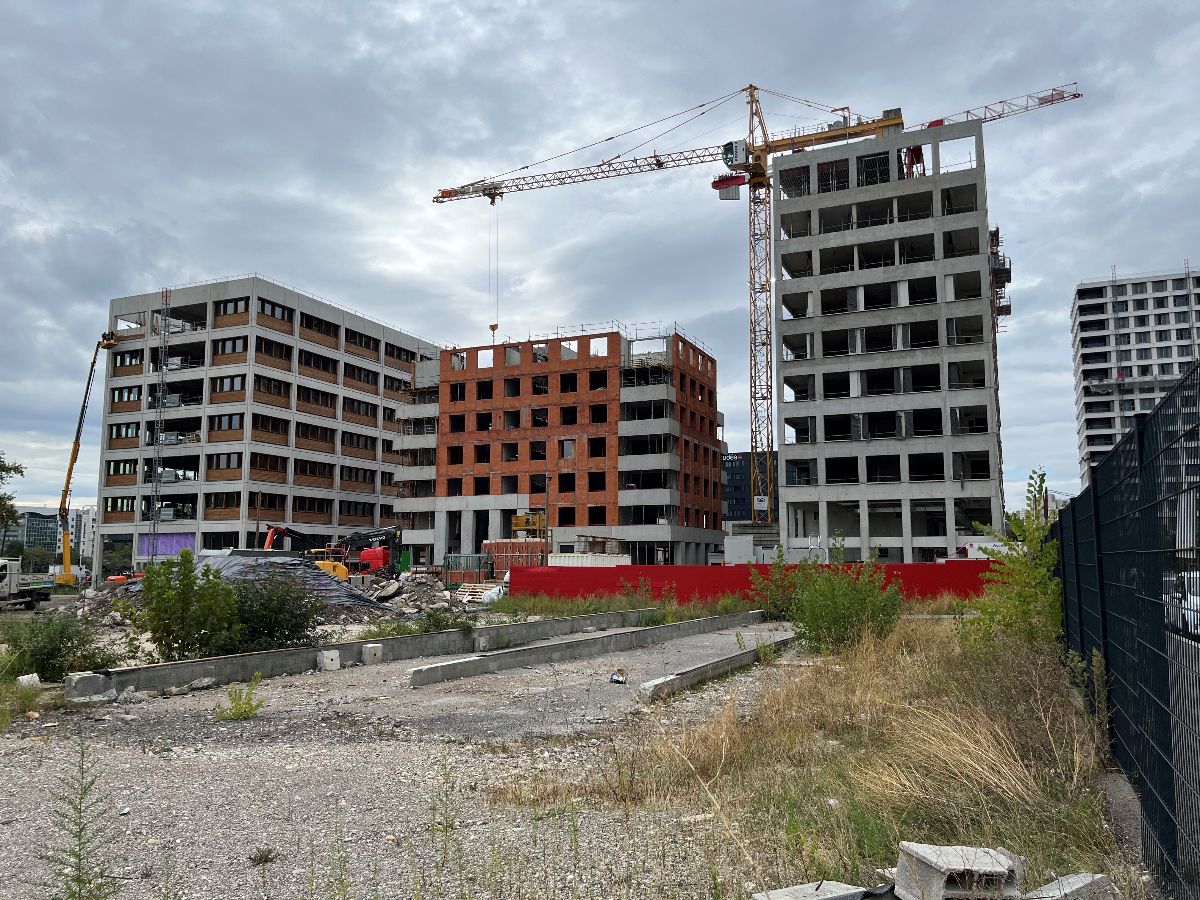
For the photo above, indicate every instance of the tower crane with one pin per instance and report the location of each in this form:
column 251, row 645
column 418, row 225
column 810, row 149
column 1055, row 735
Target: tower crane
column 748, row 161
column 107, row 341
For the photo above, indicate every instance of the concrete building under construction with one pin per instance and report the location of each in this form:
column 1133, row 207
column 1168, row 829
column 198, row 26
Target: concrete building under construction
column 613, row 435
column 889, row 285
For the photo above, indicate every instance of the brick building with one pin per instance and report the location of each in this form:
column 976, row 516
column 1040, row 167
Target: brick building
column 615, row 435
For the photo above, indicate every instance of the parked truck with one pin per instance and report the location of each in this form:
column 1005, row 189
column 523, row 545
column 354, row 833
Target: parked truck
column 19, row 589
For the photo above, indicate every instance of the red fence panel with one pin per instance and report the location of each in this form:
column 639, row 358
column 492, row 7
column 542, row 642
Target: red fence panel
column 962, row 578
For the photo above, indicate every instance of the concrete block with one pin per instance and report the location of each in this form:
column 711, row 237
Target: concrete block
column 816, row 890
column 84, row 684
column 928, row 872
column 109, row 696
column 202, row 684
column 372, row 654
column 328, row 660
column 29, row 681
column 1081, row 886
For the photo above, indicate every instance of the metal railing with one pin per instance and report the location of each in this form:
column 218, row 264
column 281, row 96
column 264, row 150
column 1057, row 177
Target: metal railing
column 1131, row 585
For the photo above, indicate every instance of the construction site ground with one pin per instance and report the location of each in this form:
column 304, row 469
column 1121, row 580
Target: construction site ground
column 354, row 776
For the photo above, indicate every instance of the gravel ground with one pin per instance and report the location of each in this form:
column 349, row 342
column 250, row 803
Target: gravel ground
column 358, row 786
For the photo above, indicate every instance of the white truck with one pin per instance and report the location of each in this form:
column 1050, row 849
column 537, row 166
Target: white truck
column 19, row 589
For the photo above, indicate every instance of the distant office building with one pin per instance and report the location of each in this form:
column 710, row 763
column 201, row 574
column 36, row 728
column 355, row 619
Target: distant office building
column 736, row 467
column 36, row 527
column 1131, row 339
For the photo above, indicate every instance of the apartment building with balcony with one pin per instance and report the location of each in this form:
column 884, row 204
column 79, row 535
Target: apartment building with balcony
column 889, row 285
column 278, row 408
column 1131, row 339
column 614, row 435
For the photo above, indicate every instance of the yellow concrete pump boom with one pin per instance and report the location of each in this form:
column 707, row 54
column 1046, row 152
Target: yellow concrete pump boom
column 107, row 341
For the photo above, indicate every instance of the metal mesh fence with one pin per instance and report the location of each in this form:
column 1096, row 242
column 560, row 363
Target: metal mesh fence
column 1131, row 598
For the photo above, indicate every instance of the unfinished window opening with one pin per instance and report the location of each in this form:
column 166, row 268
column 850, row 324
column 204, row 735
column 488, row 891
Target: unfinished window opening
column 922, row 290
column 911, row 207
column 597, row 515
column 925, row 422
column 803, row 387
column 972, row 516
column 482, row 486
column 880, row 296
column 537, row 484
column 540, row 384
column 509, row 452
column 484, row 358
column 972, row 465
column 596, row 481
column 966, row 285
column 876, row 255
column 454, row 455
column 568, row 383
column 970, row 374
column 916, row 249
column 568, row 349
column 539, row 417
column 972, row 419
column 837, row 343
column 841, row 470
column 566, row 448
column 833, row 175
column 794, row 182
column 598, row 413
column 839, row 428
column 512, row 356
column 911, row 161
column 879, row 338
column 598, row 346
column 837, row 259
column 836, row 301
column 969, row 330
column 797, row 265
column 957, row 154
column 566, row 482
column 874, row 169
column 795, row 224
column 795, row 306
column 512, row 419
column 883, row 469
column 568, row 415
column 835, row 385
column 797, row 346
column 454, row 487
column 800, row 472
column 458, row 361
column 483, row 453
column 458, row 424
column 512, row 387
column 566, row 517
column 458, row 391
column 959, row 199
column 885, row 519
column 921, row 334
column 928, row 518
column 508, row 484
column 880, row 381
column 597, row 448
column 842, row 517
column 800, row 430
column 483, row 421
column 960, row 242
column 873, row 212
column 926, row 467
column 483, row 390
column 835, row 218
column 541, row 352
column 537, row 450
column 879, row 425
column 598, row 379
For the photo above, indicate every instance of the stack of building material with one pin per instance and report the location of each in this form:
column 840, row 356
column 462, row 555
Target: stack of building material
column 515, row 552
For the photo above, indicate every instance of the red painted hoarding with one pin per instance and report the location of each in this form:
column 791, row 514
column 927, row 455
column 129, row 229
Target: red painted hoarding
column 962, row 578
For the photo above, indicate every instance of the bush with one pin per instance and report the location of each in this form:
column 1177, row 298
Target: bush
column 54, row 645
column 188, row 614
column 830, row 606
column 431, row 621
column 273, row 612
column 242, row 704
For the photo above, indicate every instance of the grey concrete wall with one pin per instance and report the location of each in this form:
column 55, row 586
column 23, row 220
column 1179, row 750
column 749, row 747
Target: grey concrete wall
column 672, row 684
column 580, row 648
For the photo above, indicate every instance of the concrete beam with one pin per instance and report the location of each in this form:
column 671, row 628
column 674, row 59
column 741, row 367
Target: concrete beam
column 660, row 688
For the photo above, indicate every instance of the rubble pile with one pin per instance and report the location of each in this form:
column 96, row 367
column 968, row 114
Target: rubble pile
column 416, row 593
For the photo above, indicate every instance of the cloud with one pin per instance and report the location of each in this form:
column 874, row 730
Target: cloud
column 146, row 145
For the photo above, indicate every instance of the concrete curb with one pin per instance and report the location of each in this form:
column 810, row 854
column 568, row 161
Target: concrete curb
column 578, row 648
column 660, row 688
column 273, row 663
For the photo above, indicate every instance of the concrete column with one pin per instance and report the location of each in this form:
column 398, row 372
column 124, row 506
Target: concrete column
column 495, row 527
column 856, row 384
column 864, row 522
column 468, row 531
column 441, row 536
column 902, row 293
column 951, row 533
column 823, row 522
column 906, row 516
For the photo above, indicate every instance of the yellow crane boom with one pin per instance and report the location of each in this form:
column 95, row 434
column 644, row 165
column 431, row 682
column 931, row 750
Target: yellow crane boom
column 107, row 341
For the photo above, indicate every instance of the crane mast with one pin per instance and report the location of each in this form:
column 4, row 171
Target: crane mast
column 751, row 162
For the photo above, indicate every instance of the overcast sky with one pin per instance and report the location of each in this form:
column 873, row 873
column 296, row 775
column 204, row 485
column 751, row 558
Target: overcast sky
column 148, row 144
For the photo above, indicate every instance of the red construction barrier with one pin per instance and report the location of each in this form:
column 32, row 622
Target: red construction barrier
column 962, row 578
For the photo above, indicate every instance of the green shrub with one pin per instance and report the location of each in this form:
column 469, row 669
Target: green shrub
column 273, row 611
column 830, row 606
column 434, row 620
column 188, row 613
column 242, row 704
column 54, row 645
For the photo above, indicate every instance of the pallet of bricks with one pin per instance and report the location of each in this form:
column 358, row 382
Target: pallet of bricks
column 515, row 552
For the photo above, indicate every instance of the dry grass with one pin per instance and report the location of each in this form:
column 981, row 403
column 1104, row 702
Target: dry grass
column 944, row 604
column 914, row 737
